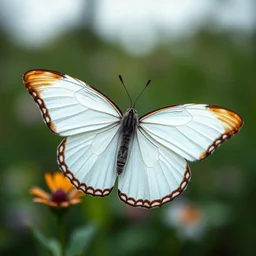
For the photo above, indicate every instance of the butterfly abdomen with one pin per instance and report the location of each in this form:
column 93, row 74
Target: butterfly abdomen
column 123, row 153
column 128, row 128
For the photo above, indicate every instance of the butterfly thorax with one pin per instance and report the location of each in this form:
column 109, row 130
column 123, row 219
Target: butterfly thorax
column 128, row 128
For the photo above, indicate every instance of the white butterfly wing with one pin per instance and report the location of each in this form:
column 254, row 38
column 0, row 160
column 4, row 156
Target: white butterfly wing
column 72, row 108
column 154, row 175
column 156, row 171
column 192, row 130
column 89, row 160
column 68, row 105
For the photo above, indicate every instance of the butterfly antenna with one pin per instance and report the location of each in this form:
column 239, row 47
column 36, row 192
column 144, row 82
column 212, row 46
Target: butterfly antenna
column 147, row 84
column 122, row 81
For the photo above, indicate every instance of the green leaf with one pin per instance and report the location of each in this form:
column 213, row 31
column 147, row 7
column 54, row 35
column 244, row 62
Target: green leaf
column 81, row 239
column 51, row 244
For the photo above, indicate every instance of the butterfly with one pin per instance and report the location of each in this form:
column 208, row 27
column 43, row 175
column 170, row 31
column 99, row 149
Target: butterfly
column 148, row 155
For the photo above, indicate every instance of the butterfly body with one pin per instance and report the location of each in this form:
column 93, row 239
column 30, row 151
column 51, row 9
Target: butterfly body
column 148, row 155
column 128, row 127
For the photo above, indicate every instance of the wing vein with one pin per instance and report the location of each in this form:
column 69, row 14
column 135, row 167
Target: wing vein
column 193, row 142
column 147, row 175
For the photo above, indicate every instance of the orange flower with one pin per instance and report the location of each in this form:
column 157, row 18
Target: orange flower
column 62, row 195
column 190, row 214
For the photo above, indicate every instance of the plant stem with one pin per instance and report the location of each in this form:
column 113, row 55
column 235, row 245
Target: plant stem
column 61, row 233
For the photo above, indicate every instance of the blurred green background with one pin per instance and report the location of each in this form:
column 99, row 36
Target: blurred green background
column 204, row 54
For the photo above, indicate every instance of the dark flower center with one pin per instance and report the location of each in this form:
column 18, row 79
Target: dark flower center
column 59, row 196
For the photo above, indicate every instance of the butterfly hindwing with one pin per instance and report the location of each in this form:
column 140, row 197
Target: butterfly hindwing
column 89, row 160
column 68, row 105
column 154, row 175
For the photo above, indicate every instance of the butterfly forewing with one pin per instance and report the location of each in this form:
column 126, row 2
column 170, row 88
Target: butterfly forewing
column 192, row 130
column 68, row 105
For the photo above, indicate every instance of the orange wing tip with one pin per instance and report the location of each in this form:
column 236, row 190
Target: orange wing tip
column 81, row 186
column 232, row 122
column 159, row 202
column 36, row 79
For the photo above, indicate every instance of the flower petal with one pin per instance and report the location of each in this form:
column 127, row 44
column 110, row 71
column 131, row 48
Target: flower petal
column 75, row 193
column 39, row 192
column 49, row 179
column 40, row 200
column 67, row 185
column 64, row 204
column 52, row 204
column 43, row 201
column 62, row 182
column 75, row 201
